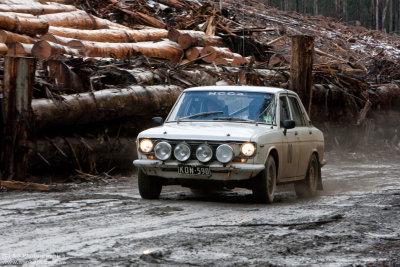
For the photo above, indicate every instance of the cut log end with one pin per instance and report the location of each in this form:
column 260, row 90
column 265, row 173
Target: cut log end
column 193, row 53
column 3, row 49
column 185, row 40
column 42, row 50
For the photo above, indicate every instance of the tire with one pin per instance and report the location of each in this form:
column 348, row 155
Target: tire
column 149, row 186
column 308, row 187
column 265, row 183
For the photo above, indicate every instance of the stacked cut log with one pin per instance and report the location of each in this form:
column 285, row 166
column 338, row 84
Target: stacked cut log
column 198, row 44
column 23, row 23
column 62, row 26
column 7, row 37
column 19, row 49
column 110, row 35
column 49, row 50
column 36, row 8
column 163, row 49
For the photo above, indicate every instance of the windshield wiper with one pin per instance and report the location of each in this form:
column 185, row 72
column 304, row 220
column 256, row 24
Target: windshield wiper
column 232, row 119
column 201, row 114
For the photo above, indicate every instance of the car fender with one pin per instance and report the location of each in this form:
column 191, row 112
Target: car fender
column 273, row 149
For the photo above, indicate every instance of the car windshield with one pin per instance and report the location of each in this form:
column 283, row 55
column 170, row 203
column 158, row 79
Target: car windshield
column 224, row 106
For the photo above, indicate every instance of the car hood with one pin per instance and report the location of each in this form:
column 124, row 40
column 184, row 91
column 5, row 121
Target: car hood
column 213, row 131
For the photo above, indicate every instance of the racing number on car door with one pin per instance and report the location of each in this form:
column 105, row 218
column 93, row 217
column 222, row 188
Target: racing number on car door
column 290, row 154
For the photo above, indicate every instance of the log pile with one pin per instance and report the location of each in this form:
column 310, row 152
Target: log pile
column 93, row 61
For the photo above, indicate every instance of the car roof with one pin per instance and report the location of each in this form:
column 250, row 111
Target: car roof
column 240, row 88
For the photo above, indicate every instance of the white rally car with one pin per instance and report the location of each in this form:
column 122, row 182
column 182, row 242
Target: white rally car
column 232, row 136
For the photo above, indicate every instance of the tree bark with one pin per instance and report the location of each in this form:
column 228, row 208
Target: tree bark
column 104, row 105
column 64, row 78
column 19, row 49
column 56, row 39
column 220, row 52
column 376, row 14
column 164, row 49
column 301, row 79
column 111, row 35
column 25, row 24
column 17, row 185
column 36, row 8
column 391, row 16
column 144, row 19
column 384, row 10
column 9, row 37
column 18, row 81
column 198, row 38
column 47, row 50
column 77, row 19
column 315, row 7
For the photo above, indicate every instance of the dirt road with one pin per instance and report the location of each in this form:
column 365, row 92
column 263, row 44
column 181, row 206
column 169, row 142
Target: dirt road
column 354, row 221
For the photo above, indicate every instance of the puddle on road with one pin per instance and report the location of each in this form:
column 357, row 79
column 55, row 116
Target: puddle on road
column 352, row 177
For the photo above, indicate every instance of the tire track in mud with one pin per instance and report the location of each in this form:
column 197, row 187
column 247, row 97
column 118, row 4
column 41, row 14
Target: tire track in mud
column 355, row 221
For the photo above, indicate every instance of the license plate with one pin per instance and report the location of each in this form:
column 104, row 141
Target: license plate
column 198, row 170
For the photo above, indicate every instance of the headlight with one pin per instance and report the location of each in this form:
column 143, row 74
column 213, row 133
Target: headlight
column 182, row 152
column 162, row 150
column 224, row 153
column 248, row 149
column 204, row 153
column 146, row 145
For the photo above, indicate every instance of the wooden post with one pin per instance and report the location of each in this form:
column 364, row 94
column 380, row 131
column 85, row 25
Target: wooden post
column 18, row 83
column 301, row 79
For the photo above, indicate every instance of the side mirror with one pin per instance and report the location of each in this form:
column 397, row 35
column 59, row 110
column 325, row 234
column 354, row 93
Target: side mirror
column 157, row 121
column 288, row 124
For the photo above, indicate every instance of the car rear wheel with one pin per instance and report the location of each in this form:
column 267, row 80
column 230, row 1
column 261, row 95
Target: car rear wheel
column 149, row 186
column 265, row 183
column 308, row 186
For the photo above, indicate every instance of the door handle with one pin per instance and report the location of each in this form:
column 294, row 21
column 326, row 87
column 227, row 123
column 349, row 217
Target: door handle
column 296, row 133
column 310, row 132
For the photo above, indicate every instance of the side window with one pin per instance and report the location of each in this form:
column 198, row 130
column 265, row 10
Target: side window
column 296, row 112
column 284, row 109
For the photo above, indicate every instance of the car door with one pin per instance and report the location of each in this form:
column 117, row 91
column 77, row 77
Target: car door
column 303, row 133
column 290, row 141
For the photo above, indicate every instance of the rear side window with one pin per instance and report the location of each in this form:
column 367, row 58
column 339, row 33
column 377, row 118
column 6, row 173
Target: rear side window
column 284, row 110
column 296, row 112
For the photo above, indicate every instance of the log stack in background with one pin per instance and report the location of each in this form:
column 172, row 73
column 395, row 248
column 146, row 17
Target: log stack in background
column 80, row 84
column 103, row 71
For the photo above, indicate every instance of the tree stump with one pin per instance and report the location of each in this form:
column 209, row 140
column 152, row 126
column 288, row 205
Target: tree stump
column 301, row 79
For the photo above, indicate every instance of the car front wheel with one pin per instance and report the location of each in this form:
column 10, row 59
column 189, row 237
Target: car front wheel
column 265, row 182
column 308, row 186
column 149, row 186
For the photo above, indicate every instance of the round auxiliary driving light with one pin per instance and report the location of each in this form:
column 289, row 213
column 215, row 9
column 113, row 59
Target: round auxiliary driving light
column 224, row 153
column 248, row 149
column 182, row 152
column 146, row 145
column 162, row 150
column 204, row 153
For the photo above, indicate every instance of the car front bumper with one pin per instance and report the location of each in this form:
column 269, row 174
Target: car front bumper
column 219, row 171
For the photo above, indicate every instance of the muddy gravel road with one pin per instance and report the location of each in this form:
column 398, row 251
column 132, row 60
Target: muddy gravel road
column 354, row 221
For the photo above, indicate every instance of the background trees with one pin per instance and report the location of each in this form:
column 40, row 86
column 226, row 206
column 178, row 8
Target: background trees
column 373, row 14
